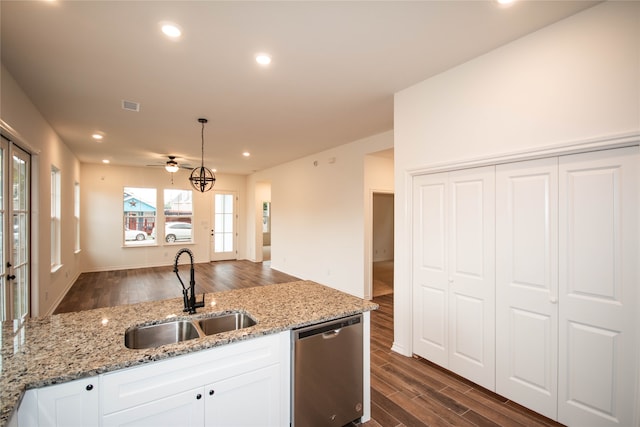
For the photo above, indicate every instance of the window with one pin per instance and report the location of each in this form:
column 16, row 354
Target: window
column 139, row 213
column 76, row 215
column 55, row 218
column 178, row 216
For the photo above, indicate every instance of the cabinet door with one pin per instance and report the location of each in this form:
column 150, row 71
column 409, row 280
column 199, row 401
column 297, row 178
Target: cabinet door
column 71, row 404
column 472, row 274
column 430, row 279
column 251, row 399
column 185, row 409
column 527, row 284
column 598, row 287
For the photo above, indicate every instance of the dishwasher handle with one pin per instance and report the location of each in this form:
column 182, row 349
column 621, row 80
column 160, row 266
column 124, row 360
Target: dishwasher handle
column 331, row 334
column 328, row 330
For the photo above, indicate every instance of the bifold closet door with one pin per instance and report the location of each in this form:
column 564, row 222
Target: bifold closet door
column 454, row 271
column 430, row 266
column 598, row 246
column 527, row 284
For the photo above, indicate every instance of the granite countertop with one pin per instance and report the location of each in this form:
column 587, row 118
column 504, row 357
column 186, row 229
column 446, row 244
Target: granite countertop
column 65, row 347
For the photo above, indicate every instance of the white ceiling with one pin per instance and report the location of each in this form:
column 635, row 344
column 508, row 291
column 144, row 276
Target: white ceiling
column 335, row 68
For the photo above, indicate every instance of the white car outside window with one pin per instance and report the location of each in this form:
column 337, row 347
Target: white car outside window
column 174, row 231
column 134, row 235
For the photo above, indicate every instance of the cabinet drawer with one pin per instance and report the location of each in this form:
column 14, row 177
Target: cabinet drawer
column 156, row 380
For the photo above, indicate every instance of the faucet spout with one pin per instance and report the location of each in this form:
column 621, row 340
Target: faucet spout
column 188, row 294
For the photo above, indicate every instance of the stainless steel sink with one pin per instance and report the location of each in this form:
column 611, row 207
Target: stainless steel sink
column 156, row 335
column 150, row 336
column 226, row 322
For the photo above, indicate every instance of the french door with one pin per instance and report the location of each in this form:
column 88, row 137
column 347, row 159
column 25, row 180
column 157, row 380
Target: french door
column 223, row 235
column 14, row 216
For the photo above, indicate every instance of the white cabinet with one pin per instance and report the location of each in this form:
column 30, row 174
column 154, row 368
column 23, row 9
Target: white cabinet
column 72, row 404
column 181, row 409
column 240, row 384
column 453, row 266
column 27, row 414
column 251, row 399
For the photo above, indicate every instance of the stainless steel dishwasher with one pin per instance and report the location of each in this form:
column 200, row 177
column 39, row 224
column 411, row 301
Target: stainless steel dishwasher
column 327, row 373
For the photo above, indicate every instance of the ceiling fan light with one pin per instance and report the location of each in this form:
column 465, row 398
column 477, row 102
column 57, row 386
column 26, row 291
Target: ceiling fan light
column 171, row 166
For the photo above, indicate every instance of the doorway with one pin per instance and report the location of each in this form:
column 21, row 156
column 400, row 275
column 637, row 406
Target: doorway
column 382, row 243
column 266, row 231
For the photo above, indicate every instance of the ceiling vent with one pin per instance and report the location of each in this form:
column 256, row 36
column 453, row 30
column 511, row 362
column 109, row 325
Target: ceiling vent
column 130, row 105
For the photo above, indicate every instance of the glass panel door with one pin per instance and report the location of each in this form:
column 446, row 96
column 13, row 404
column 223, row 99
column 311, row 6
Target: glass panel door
column 20, row 250
column 14, row 213
column 223, row 242
column 4, row 148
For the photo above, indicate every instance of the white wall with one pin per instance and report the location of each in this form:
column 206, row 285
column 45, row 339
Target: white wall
column 318, row 225
column 102, row 220
column 572, row 81
column 30, row 130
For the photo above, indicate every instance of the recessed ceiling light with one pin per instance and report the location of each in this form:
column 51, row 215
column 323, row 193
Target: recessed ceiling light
column 106, row 161
column 263, row 59
column 504, row 2
column 246, row 154
column 98, row 136
column 171, row 30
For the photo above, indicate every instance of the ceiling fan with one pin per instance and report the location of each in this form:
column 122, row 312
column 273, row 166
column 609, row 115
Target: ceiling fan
column 172, row 165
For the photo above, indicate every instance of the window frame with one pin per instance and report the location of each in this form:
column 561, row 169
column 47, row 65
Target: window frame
column 55, row 223
column 175, row 211
column 76, row 216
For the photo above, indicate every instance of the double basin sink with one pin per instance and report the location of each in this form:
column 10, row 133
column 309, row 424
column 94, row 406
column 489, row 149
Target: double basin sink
column 150, row 336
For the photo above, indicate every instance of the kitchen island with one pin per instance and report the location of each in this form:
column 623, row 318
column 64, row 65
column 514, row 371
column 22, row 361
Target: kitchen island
column 66, row 347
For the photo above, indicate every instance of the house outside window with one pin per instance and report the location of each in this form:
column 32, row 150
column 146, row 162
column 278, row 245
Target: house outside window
column 139, row 214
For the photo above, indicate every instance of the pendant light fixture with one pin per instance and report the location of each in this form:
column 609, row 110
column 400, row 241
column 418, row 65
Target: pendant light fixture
column 202, row 178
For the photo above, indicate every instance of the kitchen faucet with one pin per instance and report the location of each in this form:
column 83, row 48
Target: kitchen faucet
column 188, row 294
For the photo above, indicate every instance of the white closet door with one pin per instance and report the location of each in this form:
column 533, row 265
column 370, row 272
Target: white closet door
column 527, row 284
column 598, row 287
column 430, row 285
column 472, row 274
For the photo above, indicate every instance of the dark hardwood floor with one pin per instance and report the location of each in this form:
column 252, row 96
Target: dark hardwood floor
column 404, row 391
column 111, row 288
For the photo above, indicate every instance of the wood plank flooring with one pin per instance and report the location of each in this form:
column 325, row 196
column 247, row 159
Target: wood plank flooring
column 414, row 392
column 405, row 391
column 111, row 288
